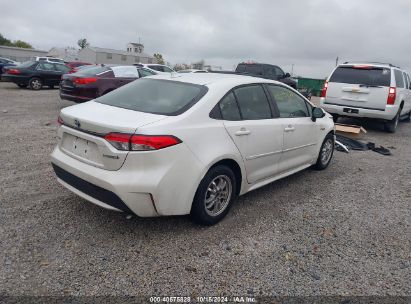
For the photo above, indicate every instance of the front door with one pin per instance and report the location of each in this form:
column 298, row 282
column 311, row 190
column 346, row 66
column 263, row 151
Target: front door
column 249, row 121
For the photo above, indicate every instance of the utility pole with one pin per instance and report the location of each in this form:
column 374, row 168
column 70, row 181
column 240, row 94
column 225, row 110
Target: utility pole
column 336, row 61
column 292, row 69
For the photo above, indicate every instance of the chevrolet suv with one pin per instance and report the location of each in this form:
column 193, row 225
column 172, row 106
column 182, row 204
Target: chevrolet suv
column 368, row 90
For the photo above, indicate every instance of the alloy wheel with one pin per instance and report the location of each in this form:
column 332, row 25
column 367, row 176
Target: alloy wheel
column 326, row 151
column 218, row 195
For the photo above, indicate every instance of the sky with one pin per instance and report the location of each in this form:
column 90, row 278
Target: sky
column 304, row 36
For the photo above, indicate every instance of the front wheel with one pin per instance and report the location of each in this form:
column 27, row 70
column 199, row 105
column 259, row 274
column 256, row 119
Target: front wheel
column 214, row 196
column 35, row 83
column 326, row 152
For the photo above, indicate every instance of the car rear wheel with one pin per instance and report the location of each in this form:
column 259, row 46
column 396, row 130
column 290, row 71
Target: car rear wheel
column 391, row 126
column 35, row 83
column 214, row 196
column 326, row 152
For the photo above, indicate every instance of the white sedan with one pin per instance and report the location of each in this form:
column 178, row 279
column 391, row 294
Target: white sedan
column 188, row 143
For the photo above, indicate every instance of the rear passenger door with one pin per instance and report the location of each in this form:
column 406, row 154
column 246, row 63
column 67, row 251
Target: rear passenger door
column 48, row 73
column 298, row 130
column 249, row 119
column 402, row 91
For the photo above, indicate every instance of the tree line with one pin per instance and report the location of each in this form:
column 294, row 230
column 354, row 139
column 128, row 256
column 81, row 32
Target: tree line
column 16, row 43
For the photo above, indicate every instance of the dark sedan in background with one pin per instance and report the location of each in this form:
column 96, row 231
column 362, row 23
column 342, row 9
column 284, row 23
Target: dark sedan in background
column 94, row 81
column 4, row 62
column 35, row 74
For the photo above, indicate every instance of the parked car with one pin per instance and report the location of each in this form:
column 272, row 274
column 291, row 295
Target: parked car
column 192, row 71
column 159, row 68
column 167, row 145
column 35, row 74
column 50, row 59
column 4, row 62
column 94, row 81
column 74, row 65
column 268, row 71
column 368, row 90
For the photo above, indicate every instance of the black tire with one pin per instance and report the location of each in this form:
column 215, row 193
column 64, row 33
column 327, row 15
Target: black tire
column 22, row 85
column 202, row 214
column 35, row 83
column 322, row 160
column 391, row 126
column 408, row 117
column 335, row 117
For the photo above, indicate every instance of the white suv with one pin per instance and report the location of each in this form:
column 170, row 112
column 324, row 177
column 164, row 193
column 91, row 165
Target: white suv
column 50, row 59
column 369, row 90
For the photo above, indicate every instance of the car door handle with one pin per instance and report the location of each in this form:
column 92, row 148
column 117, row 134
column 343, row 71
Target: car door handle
column 289, row 129
column 242, row 132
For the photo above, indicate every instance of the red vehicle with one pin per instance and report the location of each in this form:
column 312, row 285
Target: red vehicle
column 94, row 81
column 74, row 65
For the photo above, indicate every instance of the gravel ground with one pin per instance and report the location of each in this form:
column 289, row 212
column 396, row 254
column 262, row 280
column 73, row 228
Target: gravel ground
column 342, row 231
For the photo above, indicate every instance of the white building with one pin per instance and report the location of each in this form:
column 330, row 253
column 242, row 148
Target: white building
column 67, row 53
column 134, row 54
column 20, row 54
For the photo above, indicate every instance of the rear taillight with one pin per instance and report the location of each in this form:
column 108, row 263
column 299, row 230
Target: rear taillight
column 324, row 90
column 88, row 80
column 152, row 142
column 128, row 142
column 13, row 71
column 392, row 94
column 60, row 121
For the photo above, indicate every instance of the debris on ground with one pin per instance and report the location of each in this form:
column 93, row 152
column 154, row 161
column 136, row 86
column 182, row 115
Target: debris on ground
column 352, row 131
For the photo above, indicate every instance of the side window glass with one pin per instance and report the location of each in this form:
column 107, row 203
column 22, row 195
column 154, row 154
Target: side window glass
column 289, row 103
column 61, row 68
column 279, row 72
column 45, row 66
column 144, row 72
column 398, row 79
column 406, row 80
column 253, row 102
column 229, row 109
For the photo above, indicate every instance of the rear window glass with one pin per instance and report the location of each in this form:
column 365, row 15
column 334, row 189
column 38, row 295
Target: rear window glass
column 254, row 69
column 155, row 96
column 93, row 70
column 26, row 64
column 370, row 76
column 398, row 79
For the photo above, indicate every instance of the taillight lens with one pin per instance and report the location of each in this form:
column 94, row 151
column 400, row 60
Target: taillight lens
column 60, row 121
column 88, row 80
column 392, row 93
column 13, row 71
column 119, row 141
column 128, row 142
column 324, row 90
column 152, row 142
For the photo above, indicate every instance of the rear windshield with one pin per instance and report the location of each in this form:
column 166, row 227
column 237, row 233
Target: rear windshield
column 26, row 64
column 92, row 70
column 250, row 68
column 155, row 96
column 367, row 76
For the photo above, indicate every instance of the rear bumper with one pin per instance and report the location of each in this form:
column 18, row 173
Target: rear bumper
column 148, row 184
column 387, row 114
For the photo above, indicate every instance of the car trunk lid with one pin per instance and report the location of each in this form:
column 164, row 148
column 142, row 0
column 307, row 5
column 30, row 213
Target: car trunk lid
column 84, row 128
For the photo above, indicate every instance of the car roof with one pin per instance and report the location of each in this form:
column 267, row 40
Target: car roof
column 374, row 64
column 211, row 78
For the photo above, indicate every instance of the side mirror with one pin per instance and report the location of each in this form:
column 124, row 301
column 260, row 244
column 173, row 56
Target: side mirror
column 317, row 113
column 287, row 75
